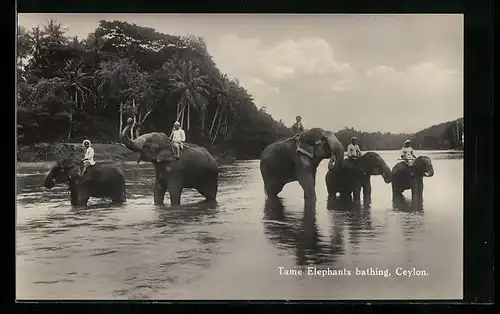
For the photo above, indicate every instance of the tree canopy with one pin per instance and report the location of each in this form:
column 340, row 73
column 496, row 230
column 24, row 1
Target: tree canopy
column 71, row 88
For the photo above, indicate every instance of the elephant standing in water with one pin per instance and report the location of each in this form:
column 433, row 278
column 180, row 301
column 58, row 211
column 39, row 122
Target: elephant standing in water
column 354, row 175
column 196, row 168
column 297, row 159
column 100, row 180
column 406, row 177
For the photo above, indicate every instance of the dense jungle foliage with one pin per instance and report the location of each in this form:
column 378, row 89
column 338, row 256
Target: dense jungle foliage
column 71, row 88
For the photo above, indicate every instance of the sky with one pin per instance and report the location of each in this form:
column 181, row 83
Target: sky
column 387, row 73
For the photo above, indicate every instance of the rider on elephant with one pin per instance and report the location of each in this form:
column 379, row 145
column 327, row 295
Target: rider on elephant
column 297, row 127
column 407, row 153
column 88, row 160
column 353, row 151
column 178, row 138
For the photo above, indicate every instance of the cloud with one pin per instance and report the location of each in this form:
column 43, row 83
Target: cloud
column 302, row 76
column 281, row 61
column 344, row 85
column 425, row 75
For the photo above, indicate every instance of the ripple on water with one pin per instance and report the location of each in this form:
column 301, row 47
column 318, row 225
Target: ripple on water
column 139, row 250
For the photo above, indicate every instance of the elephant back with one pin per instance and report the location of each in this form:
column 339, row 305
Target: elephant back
column 400, row 168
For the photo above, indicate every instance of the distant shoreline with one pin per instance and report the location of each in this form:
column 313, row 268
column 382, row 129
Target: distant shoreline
column 41, row 152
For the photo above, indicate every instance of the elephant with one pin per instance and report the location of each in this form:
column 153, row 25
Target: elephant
column 297, row 159
column 354, row 176
column 101, row 180
column 196, row 168
column 405, row 177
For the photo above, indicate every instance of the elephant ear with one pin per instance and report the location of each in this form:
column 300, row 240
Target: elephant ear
column 308, row 141
column 305, row 148
column 366, row 164
column 165, row 154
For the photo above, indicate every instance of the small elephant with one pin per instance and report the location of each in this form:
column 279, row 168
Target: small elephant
column 196, row 168
column 405, row 177
column 297, row 159
column 355, row 175
column 100, row 180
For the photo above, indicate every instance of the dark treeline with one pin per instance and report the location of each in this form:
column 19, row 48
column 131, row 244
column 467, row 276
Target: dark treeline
column 71, row 88
column 447, row 135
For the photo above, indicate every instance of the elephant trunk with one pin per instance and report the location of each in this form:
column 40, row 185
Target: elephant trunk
column 387, row 174
column 337, row 151
column 48, row 180
column 133, row 146
column 429, row 173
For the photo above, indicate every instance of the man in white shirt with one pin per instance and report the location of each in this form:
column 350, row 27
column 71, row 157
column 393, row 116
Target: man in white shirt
column 353, row 151
column 298, row 127
column 88, row 160
column 178, row 138
column 407, row 153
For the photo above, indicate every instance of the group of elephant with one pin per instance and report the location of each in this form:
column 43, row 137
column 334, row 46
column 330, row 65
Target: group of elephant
column 293, row 159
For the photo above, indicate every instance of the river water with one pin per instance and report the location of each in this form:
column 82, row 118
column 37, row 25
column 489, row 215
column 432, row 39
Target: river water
column 236, row 249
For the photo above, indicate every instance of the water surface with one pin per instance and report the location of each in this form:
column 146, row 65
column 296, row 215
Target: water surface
column 233, row 249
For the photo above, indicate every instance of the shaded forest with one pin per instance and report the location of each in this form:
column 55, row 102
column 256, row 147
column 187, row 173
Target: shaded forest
column 71, row 88
column 446, row 135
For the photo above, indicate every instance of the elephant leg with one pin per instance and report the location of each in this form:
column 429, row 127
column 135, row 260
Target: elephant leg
column 273, row 189
column 209, row 190
column 175, row 195
column 119, row 195
column 418, row 194
column 74, row 198
column 396, row 192
column 79, row 196
column 175, row 187
column 356, row 194
column 307, row 182
column 83, row 198
column 345, row 196
column 332, row 188
column 414, row 191
column 159, row 192
column 367, row 192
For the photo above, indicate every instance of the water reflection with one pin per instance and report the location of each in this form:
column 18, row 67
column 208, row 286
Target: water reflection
column 356, row 216
column 411, row 217
column 407, row 205
column 290, row 232
column 178, row 216
column 204, row 250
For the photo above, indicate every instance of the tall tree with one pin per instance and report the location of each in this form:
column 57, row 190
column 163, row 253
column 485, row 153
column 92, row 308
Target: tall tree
column 190, row 85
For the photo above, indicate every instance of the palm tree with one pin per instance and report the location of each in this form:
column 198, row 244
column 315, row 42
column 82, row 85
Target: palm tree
column 74, row 79
column 222, row 91
column 109, row 84
column 186, row 80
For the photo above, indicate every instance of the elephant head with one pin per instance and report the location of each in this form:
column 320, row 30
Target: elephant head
column 153, row 147
column 422, row 166
column 63, row 171
column 372, row 164
column 320, row 144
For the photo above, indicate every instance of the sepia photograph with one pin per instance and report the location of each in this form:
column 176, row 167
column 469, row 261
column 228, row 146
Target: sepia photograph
column 239, row 156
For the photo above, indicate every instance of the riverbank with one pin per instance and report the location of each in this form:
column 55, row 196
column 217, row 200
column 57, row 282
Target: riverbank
column 54, row 151
column 103, row 152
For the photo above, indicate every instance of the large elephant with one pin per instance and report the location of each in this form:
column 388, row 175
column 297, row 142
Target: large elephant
column 297, row 159
column 102, row 180
column 354, row 176
column 406, row 177
column 196, row 168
